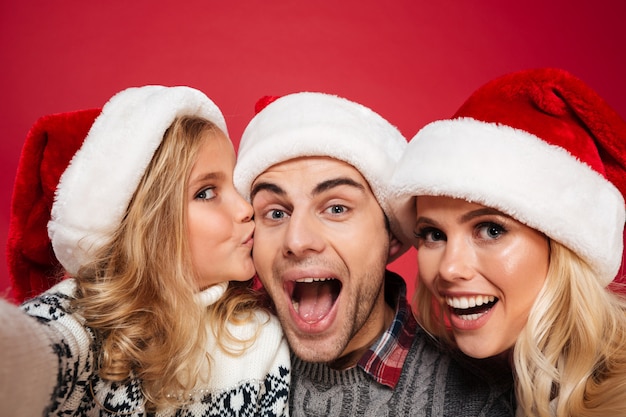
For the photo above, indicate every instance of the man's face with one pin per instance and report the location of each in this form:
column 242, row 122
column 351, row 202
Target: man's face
column 320, row 249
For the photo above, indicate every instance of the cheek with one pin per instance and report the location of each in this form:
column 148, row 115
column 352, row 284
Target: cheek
column 258, row 257
column 428, row 263
column 530, row 256
column 264, row 248
column 358, row 257
column 203, row 245
column 526, row 265
column 206, row 230
column 368, row 226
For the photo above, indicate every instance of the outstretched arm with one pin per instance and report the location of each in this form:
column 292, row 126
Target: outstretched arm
column 28, row 366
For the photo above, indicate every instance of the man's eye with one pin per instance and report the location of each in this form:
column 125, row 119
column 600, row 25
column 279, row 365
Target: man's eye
column 337, row 209
column 276, row 214
column 206, row 194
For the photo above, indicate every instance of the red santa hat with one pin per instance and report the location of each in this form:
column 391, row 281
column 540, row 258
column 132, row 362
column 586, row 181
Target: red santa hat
column 97, row 181
column 47, row 150
column 542, row 147
column 318, row 124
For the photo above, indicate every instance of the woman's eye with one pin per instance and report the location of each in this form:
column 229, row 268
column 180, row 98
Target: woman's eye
column 430, row 234
column 206, row 194
column 490, row 230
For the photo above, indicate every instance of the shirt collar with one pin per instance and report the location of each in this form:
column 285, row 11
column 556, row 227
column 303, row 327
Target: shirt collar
column 385, row 358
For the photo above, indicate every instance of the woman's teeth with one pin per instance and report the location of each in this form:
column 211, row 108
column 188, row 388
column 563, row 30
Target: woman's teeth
column 469, row 302
column 475, row 306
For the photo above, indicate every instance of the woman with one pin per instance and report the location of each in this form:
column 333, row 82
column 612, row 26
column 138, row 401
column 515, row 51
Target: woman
column 519, row 223
column 158, row 315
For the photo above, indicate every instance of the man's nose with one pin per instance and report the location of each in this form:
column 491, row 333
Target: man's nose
column 304, row 234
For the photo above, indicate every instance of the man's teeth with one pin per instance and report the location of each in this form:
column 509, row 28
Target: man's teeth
column 309, row 280
column 469, row 302
column 314, row 297
column 296, row 304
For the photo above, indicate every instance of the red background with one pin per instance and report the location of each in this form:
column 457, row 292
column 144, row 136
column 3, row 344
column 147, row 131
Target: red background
column 412, row 61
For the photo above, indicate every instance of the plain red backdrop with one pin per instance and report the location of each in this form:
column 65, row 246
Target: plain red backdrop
column 412, row 61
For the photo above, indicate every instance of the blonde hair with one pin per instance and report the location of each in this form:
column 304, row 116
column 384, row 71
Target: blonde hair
column 428, row 312
column 571, row 350
column 138, row 295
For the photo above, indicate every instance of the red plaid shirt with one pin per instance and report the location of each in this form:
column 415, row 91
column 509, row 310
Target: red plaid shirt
column 384, row 360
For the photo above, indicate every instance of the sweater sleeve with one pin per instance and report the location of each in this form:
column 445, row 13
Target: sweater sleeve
column 28, row 365
column 47, row 355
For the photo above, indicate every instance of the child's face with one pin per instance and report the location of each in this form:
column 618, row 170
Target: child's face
column 486, row 267
column 220, row 225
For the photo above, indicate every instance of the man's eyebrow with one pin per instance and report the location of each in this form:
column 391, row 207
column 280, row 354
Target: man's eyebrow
column 320, row 188
column 336, row 182
column 266, row 186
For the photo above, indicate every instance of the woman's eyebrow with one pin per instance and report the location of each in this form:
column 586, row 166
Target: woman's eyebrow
column 481, row 212
column 209, row 176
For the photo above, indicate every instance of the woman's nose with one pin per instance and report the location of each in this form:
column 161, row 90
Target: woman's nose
column 457, row 261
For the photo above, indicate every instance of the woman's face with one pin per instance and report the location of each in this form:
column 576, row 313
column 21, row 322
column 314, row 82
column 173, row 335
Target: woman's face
column 485, row 267
column 219, row 221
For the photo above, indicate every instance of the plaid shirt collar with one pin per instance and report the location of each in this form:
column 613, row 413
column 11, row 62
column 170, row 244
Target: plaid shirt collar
column 384, row 360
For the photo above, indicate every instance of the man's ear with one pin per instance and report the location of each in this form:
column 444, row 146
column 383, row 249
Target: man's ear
column 395, row 246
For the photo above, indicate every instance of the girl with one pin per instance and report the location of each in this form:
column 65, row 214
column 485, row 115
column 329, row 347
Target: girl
column 158, row 316
column 519, row 222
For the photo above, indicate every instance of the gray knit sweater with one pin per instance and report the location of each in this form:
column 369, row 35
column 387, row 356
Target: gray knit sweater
column 432, row 384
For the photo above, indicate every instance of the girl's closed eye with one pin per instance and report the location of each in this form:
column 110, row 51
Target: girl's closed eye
column 206, row 194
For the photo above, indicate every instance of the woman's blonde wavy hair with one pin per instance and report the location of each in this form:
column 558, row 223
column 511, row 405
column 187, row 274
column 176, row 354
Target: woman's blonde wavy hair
column 570, row 358
column 138, row 295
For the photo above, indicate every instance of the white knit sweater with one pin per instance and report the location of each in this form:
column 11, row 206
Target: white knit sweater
column 47, row 366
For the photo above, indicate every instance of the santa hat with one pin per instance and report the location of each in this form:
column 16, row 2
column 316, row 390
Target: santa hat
column 318, row 124
column 540, row 146
column 47, row 150
column 93, row 192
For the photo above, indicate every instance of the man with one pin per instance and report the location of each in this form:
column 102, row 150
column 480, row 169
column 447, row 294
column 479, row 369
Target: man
column 316, row 169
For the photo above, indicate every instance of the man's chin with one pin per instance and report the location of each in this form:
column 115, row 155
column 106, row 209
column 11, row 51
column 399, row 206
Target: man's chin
column 308, row 354
column 313, row 350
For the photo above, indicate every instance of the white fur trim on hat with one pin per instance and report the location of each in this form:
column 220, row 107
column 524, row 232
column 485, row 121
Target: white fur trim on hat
column 95, row 189
column 318, row 124
column 540, row 185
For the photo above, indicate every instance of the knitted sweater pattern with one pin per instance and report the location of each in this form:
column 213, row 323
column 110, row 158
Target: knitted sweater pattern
column 432, row 384
column 79, row 390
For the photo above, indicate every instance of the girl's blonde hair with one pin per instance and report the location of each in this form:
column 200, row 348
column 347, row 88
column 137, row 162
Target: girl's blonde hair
column 573, row 347
column 138, row 295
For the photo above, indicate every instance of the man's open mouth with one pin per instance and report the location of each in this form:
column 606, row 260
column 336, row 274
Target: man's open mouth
column 313, row 298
